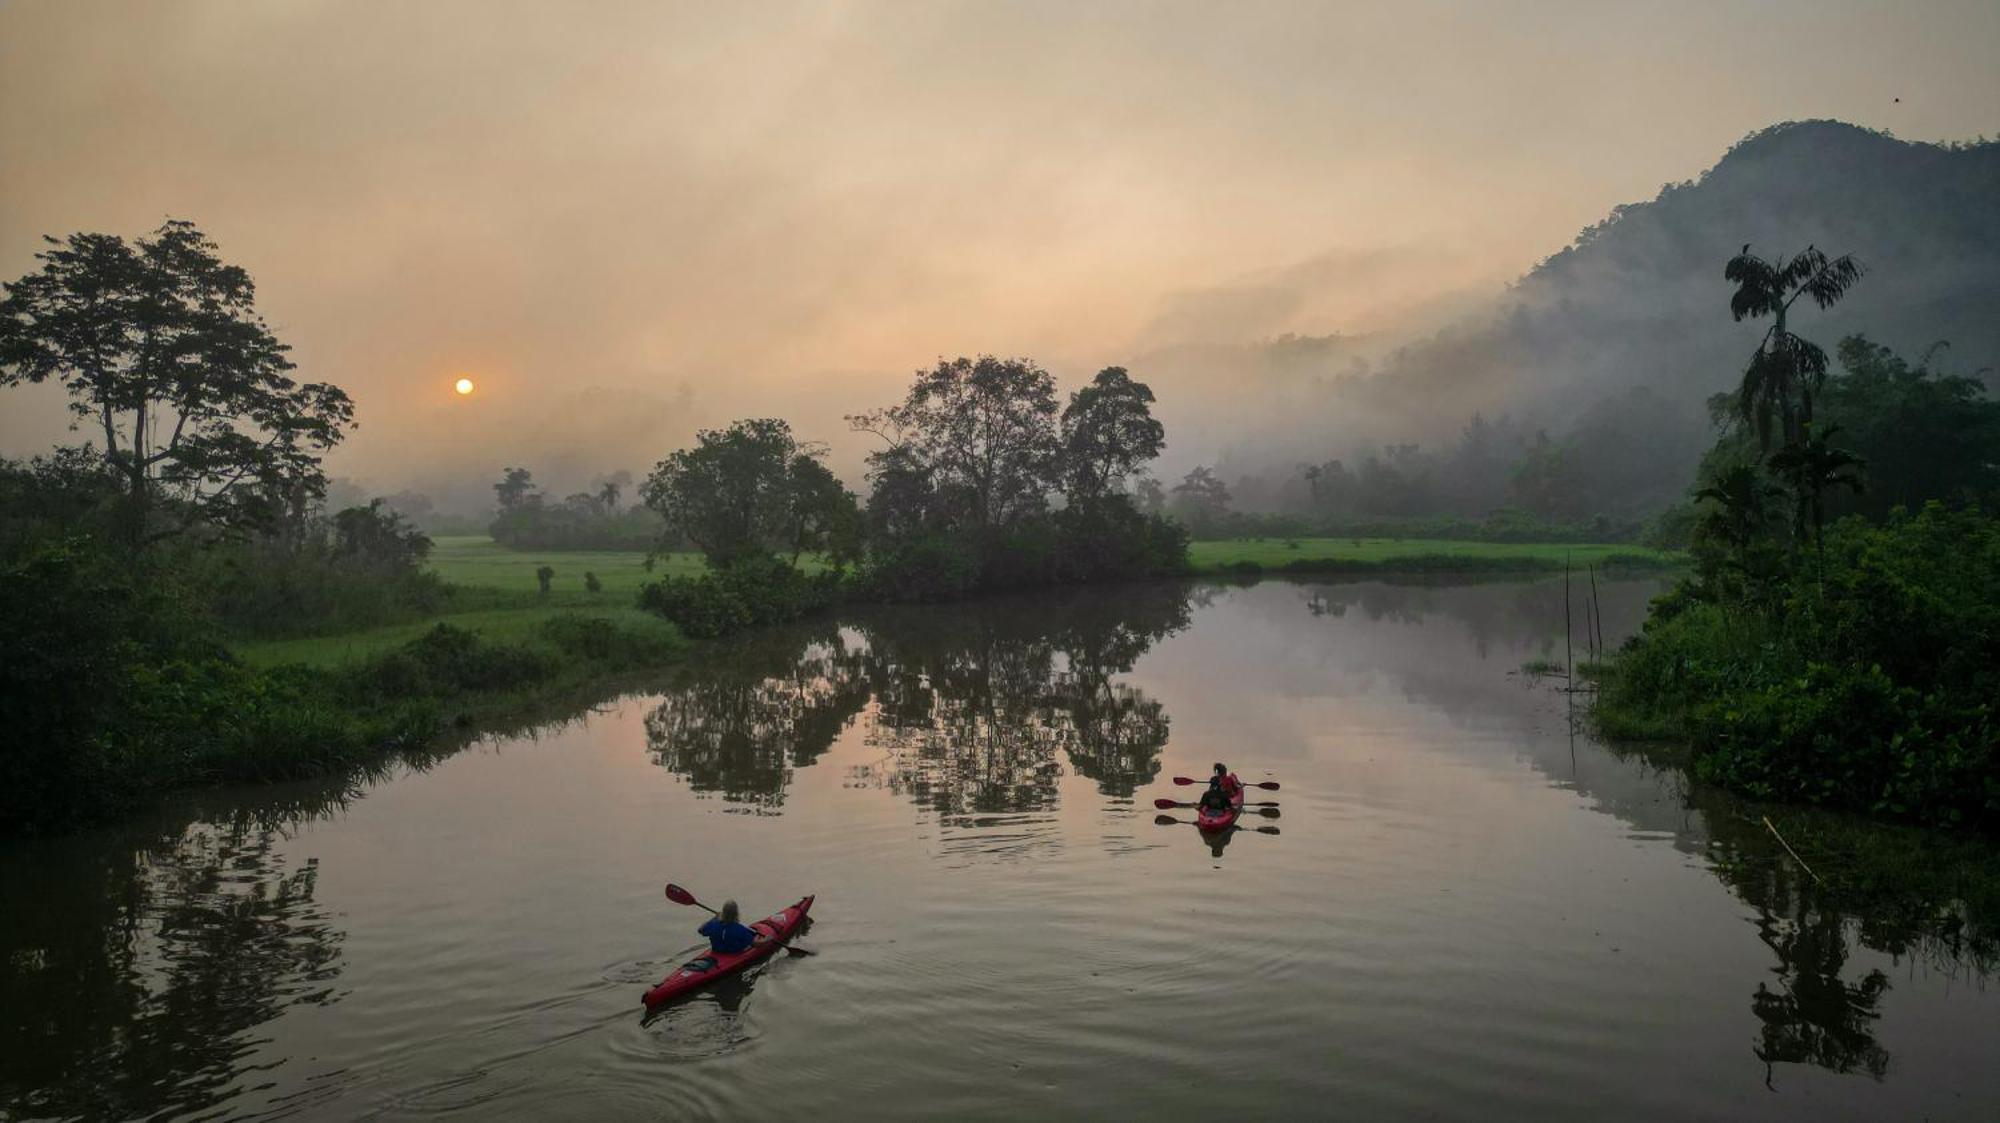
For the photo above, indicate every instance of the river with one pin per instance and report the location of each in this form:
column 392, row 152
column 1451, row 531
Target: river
column 1461, row 908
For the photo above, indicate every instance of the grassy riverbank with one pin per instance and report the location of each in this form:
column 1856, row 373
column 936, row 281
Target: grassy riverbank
column 496, row 594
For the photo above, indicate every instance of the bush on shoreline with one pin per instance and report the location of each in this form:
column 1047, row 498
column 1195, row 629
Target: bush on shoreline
column 753, row 592
column 118, row 689
column 1874, row 685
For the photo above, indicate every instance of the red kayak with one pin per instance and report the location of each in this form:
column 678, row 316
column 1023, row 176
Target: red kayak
column 1220, row 820
column 710, row 966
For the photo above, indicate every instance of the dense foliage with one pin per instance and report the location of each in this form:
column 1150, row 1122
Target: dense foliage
column 1834, row 661
column 1871, row 683
column 751, row 592
column 984, row 484
column 160, row 347
column 750, row 490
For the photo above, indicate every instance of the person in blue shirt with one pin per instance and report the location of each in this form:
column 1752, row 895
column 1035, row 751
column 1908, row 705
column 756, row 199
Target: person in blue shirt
column 726, row 936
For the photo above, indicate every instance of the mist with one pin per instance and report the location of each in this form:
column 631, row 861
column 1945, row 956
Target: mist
column 655, row 217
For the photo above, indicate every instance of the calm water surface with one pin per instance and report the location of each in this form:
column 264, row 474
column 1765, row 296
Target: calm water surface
column 1464, row 912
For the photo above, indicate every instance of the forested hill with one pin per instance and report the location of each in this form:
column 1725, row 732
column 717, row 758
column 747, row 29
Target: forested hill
column 1921, row 217
column 1618, row 340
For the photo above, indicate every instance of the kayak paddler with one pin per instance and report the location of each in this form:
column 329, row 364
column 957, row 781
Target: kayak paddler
column 726, row 935
column 1231, row 786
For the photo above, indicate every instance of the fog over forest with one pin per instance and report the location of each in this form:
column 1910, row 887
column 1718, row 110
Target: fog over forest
column 630, row 226
column 1616, row 342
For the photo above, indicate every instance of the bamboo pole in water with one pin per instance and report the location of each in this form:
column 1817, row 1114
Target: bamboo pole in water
column 1589, row 633
column 1569, row 659
column 1597, row 611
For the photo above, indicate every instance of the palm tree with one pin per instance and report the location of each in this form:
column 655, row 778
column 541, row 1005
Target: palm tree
column 1786, row 370
column 1812, row 466
column 1743, row 499
column 608, row 495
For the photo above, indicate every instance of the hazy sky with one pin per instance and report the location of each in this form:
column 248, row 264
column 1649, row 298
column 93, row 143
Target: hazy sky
column 626, row 219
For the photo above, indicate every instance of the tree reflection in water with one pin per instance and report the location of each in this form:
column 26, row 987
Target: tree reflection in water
column 137, row 963
column 739, row 724
column 1890, row 890
column 974, row 709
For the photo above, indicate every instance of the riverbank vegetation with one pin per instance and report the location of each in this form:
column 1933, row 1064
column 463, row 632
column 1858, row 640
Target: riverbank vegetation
column 1834, row 645
column 193, row 522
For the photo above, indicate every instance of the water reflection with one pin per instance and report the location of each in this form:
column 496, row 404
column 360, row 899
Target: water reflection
column 759, row 709
column 135, row 973
column 1814, row 1009
column 1811, row 1008
column 974, row 709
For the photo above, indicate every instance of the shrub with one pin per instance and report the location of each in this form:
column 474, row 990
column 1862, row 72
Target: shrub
column 753, row 591
column 448, row 660
column 1872, row 686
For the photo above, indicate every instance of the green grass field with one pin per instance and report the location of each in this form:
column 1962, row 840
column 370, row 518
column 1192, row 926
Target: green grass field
column 495, row 594
column 1433, row 553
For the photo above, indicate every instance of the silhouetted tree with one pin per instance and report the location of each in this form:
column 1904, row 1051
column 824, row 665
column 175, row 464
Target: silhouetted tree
column 982, row 433
column 161, row 350
column 516, row 490
column 1812, row 467
column 749, row 490
column 1786, row 370
column 378, row 536
column 1108, row 432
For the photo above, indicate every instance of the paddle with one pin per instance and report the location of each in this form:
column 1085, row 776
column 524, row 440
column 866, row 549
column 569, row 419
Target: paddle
column 680, row 896
column 1267, row 785
column 1169, row 804
column 1169, row 820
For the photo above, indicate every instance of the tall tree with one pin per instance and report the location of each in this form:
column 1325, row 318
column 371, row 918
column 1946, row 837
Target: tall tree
column 1812, row 466
column 1786, row 370
column 1108, row 433
column 748, row 490
column 983, row 431
column 161, row 349
column 824, row 516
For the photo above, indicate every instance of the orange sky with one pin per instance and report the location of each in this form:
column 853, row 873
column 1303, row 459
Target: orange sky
column 627, row 219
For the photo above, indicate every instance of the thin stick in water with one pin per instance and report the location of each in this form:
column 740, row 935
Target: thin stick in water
column 1792, row 852
column 1569, row 659
column 1598, row 611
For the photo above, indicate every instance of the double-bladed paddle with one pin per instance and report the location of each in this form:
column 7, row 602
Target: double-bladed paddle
column 1267, row 785
column 680, row 896
column 1170, row 804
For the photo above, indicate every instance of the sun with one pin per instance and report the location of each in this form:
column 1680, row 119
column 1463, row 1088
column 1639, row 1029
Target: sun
column 463, row 386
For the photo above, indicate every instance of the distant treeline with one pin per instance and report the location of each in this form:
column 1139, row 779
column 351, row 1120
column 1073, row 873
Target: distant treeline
column 598, row 519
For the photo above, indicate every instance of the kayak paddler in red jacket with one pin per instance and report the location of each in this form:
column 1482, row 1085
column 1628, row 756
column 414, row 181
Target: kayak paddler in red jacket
column 1223, row 788
column 1231, row 786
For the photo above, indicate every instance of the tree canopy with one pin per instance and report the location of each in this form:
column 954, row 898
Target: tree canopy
column 749, row 490
column 981, row 433
column 1108, row 433
column 164, row 356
